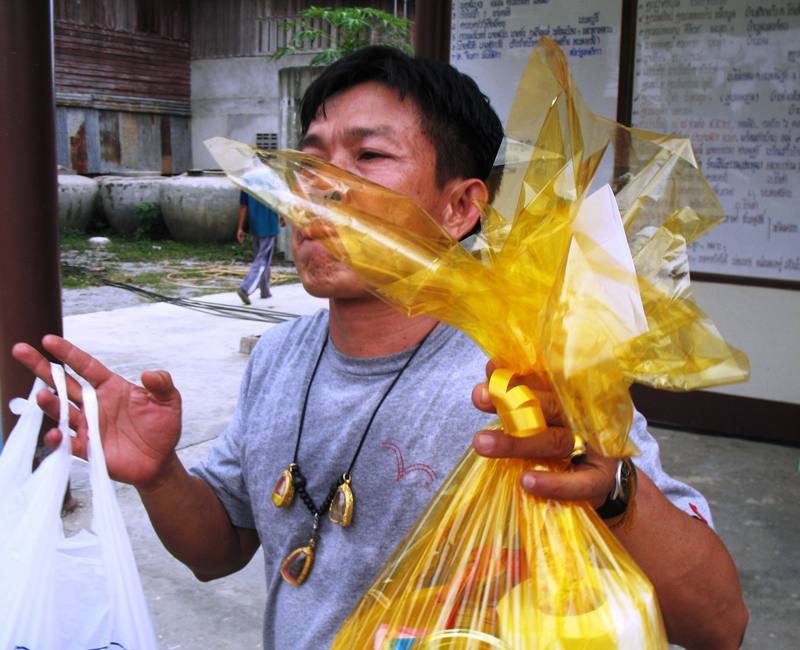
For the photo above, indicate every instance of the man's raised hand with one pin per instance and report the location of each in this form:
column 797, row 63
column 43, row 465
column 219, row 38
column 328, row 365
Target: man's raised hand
column 140, row 425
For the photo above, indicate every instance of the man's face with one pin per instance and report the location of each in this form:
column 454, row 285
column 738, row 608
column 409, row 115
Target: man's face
column 369, row 131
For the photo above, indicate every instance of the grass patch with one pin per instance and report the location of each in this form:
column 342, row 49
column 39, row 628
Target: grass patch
column 78, row 277
column 131, row 249
column 162, row 265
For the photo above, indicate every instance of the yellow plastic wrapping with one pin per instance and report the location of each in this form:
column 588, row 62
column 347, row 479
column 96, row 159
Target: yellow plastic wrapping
column 546, row 291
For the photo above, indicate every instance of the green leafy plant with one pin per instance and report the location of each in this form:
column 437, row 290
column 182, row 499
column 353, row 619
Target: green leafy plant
column 151, row 223
column 343, row 30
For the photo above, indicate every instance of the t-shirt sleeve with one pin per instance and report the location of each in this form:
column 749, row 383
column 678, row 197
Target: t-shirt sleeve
column 222, row 470
column 680, row 494
column 242, row 198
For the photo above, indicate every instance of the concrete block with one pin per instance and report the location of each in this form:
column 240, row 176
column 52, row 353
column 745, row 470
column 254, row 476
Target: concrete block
column 247, row 343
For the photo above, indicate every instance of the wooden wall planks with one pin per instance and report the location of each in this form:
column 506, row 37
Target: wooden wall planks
column 122, row 73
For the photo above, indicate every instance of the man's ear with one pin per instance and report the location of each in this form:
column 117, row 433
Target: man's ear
column 461, row 214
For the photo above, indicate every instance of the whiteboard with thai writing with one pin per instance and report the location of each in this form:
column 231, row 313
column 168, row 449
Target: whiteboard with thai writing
column 727, row 74
column 491, row 40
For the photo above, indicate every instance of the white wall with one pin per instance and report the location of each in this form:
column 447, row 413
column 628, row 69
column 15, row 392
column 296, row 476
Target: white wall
column 765, row 323
column 235, row 98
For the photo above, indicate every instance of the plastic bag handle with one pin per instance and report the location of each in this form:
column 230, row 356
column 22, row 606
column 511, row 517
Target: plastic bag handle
column 109, row 526
column 20, row 406
column 16, row 461
column 103, row 495
column 60, row 381
column 95, row 454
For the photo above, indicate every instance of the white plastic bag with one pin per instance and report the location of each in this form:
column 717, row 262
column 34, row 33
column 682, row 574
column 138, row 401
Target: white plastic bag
column 57, row 592
column 17, row 457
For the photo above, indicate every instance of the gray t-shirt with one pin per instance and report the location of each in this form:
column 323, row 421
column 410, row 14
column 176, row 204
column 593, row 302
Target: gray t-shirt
column 420, row 432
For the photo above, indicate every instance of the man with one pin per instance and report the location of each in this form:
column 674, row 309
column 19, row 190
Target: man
column 264, row 228
column 380, row 400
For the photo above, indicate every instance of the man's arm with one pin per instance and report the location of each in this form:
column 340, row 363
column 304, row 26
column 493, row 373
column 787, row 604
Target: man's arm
column 240, row 226
column 693, row 573
column 194, row 526
column 140, row 427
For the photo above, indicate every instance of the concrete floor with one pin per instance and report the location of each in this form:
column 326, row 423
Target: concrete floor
column 752, row 487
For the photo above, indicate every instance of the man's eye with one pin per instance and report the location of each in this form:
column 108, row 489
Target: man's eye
column 370, row 155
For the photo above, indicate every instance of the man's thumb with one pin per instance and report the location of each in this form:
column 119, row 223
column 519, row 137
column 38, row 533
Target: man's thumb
column 159, row 384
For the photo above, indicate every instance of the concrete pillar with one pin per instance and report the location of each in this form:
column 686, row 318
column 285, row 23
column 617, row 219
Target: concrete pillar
column 292, row 85
column 30, row 292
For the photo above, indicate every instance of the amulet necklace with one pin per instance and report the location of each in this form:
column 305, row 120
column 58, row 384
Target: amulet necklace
column 339, row 502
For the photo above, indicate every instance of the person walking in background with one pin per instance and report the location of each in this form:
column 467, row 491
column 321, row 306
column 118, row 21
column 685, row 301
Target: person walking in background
column 264, row 227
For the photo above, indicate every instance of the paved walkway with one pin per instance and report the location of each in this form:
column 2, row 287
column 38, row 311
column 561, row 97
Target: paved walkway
column 753, row 487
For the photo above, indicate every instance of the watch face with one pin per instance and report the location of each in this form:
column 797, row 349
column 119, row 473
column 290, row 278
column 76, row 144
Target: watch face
column 625, row 477
column 617, row 502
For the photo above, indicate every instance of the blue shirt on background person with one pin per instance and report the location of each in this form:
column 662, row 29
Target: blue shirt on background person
column 263, row 220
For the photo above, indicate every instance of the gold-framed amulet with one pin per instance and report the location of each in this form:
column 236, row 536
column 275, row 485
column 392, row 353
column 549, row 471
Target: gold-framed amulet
column 341, row 510
column 283, row 493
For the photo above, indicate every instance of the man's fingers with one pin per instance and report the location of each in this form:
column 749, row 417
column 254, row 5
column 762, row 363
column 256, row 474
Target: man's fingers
column 533, row 381
column 548, row 401
column 50, row 405
column 52, row 438
column 39, row 365
column 551, row 407
column 34, row 361
column 82, row 363
column 480, row 398
column 547, row 398
column 554, row 443
column 591, row 484
column 159, row 384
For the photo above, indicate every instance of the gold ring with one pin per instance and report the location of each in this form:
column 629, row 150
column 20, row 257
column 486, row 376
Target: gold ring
column 579, row 449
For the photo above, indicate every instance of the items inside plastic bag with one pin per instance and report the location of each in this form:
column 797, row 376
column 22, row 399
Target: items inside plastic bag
column 548, row 290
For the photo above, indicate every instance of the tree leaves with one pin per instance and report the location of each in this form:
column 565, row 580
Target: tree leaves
column 339, row 31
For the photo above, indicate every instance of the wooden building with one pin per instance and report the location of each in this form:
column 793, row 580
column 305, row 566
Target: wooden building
column 141, row 83
column 122, row 74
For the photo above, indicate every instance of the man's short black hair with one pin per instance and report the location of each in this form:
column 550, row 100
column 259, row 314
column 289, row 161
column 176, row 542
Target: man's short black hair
column 455, row 115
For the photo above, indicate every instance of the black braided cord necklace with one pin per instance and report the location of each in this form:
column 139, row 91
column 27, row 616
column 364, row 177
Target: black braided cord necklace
column 339, row 502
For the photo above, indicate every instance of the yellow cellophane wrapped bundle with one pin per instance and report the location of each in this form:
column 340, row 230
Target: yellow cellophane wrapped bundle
column 554, row 288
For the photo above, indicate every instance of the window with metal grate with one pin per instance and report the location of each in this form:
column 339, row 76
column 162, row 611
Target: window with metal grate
column 267, row 141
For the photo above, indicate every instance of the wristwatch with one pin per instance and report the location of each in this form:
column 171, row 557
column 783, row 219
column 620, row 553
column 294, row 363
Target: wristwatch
column 624, row 490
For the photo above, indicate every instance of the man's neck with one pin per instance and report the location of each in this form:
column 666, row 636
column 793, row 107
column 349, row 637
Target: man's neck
column 368, row 327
